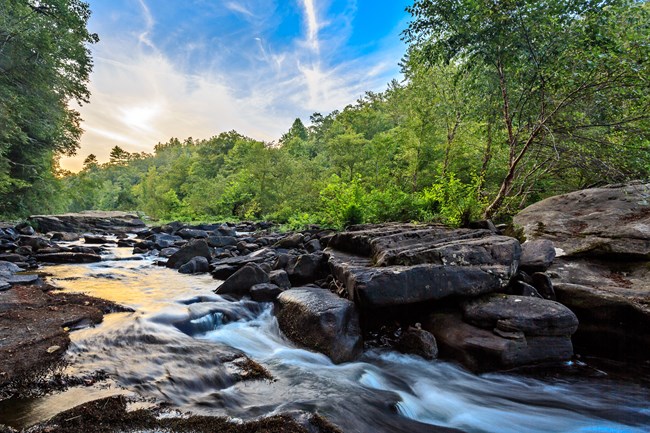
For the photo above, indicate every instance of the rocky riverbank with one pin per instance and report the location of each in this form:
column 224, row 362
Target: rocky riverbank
column 475, row 296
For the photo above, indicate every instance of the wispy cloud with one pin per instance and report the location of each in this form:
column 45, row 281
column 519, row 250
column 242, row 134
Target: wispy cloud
column 143, row 94
column 312, row 24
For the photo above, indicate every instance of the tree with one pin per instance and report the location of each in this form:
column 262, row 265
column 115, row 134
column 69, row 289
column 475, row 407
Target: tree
column 44, row 64
column 119, row 156
column 559, row 68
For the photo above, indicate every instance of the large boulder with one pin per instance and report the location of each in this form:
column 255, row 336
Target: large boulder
column 602, row 271
column 194, row 248
column 319, row 320
column 482, row 350
column 404, row 264
column 612, row 220
column 240, row 283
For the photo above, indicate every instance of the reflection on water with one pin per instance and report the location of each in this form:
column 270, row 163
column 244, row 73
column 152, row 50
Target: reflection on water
column 177, row 345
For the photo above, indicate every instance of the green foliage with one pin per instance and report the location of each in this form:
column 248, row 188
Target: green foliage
column 44, row 65
column 451, row 200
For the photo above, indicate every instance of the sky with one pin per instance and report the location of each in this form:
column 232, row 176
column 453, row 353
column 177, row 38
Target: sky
column 195, row 68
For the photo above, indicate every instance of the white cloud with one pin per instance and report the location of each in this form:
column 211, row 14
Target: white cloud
column 238, row 7
column 142, row 96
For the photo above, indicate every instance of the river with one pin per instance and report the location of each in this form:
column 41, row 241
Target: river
column 168, row 351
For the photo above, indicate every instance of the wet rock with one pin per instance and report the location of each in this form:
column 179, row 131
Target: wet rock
column 196, row 265
column 194, row 248
column 188, row 233
column 483, row 350
column 400, row 264
column 306, row 268
column 222, row 241
column 14, row 258
column 95, row 239
column 416, row 341
column 319, row 320
column 35, row 242
column 265, row 292
column 168, row 252
column 222, row 272
column 280, row 278
column 537, row 255
column 68, row 257
column 240, row 282
column 88, row 221
column 293, row 240
column 65, row 236
column 530, row 315
column 161, row 241
column 225, row 230
column 612, row 302
column 25, row 229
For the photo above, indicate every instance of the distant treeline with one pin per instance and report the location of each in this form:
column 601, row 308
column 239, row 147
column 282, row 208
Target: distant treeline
column 504, row 103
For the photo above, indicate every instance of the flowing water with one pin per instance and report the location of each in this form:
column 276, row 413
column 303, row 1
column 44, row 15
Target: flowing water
column 169, row 350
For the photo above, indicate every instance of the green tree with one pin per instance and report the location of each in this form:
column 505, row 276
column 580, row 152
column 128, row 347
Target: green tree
column 44, row 65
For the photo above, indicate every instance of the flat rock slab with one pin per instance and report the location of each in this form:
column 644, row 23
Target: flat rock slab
column 608, row 221
column 68, row 257
column 88, row 221
column 401, row 264
column 32, row 327
column 530, row 315
column 483, row 350
column 318, row 319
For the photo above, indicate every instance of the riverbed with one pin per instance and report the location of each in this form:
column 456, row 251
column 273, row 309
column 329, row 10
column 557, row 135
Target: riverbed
column 167, row 351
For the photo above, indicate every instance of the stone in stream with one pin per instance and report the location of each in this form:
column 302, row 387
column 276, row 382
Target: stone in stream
column 319, row 320
column 403, row 264
column 291, row 241
column 193, row 248
column 306, row 268
column 417, row 341
column 482, row 350
column 196, row 265
column 240, row 283
column 280, row 278
column 265, row 292
column 188, row 233
column 68, row 257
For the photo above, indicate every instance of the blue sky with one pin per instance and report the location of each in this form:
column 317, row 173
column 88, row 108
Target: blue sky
column 180, row 68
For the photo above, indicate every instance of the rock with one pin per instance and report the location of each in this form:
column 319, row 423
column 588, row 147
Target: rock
column 194, row 248
column 319, row 320
column 9, row 267
column 608, row 221
column 188, row 233
column 94, row 239
column 372, row 287
column 525, row 289
column 280, row 278
column 225, row 230
column 612, row 302
column 35, row 242
column 265, row 292
column 240, row 282
column 25, row 229
column 484, row 225
column 306, row 268
column 542, row 282
column 88, row 221
column 415, row 341
column 64, row 236
column 196, row 265
column 14, row 258
column 601, row 272
column 161, row 241
column 222, row 272
column 247, row 247
column 537, row 255
column 313, row 246
column 483, row 350
column 530, row 315
column 293, row 240
column 222, row 241
column 68, row 257
column 400, row 264
column 168, row 252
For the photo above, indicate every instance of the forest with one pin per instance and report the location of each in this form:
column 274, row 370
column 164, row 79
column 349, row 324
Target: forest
column 502, row 104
